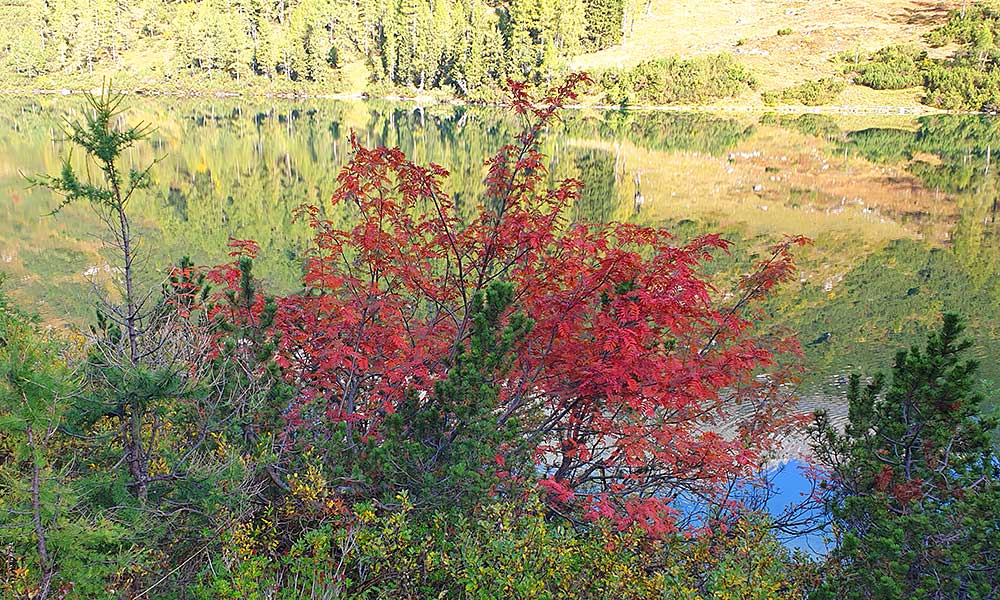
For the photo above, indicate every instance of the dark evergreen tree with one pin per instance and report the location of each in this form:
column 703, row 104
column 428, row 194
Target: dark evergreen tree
column 441, row 450
column 915, row 484
column 604, row 20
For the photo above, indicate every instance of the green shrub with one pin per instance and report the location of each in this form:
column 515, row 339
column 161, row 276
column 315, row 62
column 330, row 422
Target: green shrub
column 968, row 26
column 785, row 31
column 962, row 88
column 970, row 79
column 674, row 80
column 502, row 550
column 814, row 92
column 893, row 68
column 924, row 526
column 52, row 545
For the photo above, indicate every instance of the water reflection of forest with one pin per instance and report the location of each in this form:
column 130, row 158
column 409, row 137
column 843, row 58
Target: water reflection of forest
column 918, row 232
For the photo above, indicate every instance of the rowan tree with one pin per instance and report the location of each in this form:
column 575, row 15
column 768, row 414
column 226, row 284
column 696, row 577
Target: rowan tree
column 612, row 395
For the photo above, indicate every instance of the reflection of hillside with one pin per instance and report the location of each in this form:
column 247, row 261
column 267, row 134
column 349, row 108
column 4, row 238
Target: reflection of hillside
column 742, row 187
column 868, row 283
column 954, row 156
column 891, row 299
column 893, row 296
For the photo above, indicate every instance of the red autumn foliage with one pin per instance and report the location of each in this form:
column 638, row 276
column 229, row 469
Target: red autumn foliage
column 632, row 363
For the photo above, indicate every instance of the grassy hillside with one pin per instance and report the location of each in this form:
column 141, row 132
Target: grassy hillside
column 811, row 35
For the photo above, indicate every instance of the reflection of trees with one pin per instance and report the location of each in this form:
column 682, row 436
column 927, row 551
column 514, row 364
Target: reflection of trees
column 235, row 169
column 662, row 130
column 954, row 154
column 822, row 126
column 976, row 236
column 886, row 146
column 964, row 148
column 598, row 201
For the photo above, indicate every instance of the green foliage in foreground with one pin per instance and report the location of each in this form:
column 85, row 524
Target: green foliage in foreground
column 501, row 550
column 423, row 451
column 45, row 537
column 678, row 81
column 915, row 482
column 301, row 541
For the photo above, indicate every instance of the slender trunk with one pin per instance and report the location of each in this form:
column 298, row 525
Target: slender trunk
column 133, row 437
column 132, row 419
column 36, row 516
column 131, row 327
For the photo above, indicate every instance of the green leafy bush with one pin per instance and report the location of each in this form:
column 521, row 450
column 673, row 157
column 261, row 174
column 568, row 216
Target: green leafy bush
column 893, row 68
column 967, row 26
column 814, row 92
column 914, row 481
column 674, row 80
column 47, row 545
column 969, row 80
column 962, row 88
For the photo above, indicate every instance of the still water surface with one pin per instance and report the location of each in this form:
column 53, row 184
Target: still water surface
column 903, row 212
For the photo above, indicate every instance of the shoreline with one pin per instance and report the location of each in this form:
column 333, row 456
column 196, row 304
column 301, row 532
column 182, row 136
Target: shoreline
column 430, row 100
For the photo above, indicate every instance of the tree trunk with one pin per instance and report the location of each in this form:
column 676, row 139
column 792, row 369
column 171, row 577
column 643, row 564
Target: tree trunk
column 36, row 516
column 132, row 418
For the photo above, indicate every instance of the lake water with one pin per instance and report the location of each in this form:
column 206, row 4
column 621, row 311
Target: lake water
column 902, row 211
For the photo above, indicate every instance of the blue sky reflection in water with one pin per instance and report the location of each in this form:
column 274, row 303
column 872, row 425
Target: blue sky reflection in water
column 792, row 487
